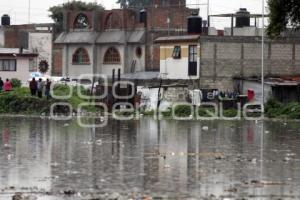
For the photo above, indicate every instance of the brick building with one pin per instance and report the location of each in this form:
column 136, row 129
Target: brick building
column 100, row 41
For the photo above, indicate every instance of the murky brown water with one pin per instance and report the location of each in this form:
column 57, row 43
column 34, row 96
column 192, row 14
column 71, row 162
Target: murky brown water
column 163, row 159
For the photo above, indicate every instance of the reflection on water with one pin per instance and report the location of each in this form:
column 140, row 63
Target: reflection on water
column 175, row 159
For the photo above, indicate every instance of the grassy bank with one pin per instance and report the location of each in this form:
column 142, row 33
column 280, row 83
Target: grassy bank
column 20, row 101
column 275, row 109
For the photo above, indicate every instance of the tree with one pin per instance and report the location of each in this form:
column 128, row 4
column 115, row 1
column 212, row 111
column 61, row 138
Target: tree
column 283, row 14
column 57, row 11
column 134, row 3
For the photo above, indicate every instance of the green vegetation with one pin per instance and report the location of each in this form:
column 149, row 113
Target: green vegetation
column 134, row 3
column 276, row 109
column 230, row 113
column 186, row 111
column 283, row 13
column 57, row 11
column 19, row 101
column 16, row 83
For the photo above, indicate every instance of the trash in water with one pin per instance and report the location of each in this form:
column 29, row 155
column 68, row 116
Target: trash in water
column 205, row 128
column 99, row 142
column 69, row 192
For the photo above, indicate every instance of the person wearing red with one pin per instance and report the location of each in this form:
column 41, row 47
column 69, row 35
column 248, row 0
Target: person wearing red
column 7, row 86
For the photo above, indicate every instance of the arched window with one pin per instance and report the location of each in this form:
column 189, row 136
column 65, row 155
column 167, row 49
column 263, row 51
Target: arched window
column 81, row 22
column 112, row 21
column 81, row 57
column 112, row 56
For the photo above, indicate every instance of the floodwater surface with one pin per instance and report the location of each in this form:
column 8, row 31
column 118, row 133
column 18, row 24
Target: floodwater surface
column 149, row 159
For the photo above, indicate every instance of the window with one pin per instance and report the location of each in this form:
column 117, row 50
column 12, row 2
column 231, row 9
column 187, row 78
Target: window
column 81, row 57
column 81, row 22
column 112, row 56
column 113, row 21
column 138, row 52
column 8, row 65
column 193, row 53
column 176, row 52
column 192, row 71
column 32, row 65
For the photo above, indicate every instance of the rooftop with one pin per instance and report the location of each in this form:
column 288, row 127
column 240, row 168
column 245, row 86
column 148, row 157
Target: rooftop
column 16, row 52
column 182, row 38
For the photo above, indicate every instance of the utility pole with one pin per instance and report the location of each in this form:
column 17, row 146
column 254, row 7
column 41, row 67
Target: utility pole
column 208, row 10
column 29, row 11
column 263, row 56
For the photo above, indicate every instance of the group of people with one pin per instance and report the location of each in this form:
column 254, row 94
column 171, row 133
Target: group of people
column 5, row 86
column 37, row 88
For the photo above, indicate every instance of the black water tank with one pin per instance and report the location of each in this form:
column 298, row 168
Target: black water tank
column 5, row 20
column 242, row 18
column 143, row 16
column 194, row 24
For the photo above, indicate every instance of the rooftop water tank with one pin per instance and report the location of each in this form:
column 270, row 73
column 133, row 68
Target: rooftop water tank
column 242, row 18
column 194, row 24
column 143, row 16
column 5, row 20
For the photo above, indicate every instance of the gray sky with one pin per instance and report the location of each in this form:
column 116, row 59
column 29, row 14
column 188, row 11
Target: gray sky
column 18, row 9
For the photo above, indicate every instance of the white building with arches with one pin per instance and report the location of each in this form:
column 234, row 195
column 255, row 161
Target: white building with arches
column 96, row 42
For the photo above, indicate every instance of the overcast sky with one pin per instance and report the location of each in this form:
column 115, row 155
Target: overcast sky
column 18, row 9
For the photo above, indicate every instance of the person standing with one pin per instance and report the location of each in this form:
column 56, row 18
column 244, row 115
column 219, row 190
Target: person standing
column 1, row 84
column 47, row 88
column 7, row 86
column 40, row 87
column 33, row 87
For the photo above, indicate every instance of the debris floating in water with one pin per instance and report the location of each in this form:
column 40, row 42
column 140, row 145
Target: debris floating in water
column 205, row 128
column 99, row 142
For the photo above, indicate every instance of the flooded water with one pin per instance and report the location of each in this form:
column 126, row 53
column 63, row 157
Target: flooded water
column 148, row 158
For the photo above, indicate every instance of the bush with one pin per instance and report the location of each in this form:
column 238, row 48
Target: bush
column 16, row 83
column 231, row 113
column 204, row 112
column 183, row 111
column 274, row 109
column 20, row 101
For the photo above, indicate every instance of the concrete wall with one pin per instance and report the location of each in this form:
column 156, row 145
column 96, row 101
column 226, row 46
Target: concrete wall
column 223, row 58
column 22, row 72
column 2, row 39
column 74, row 71
column 127, row 56
column 245, row 31
column 177, row 94
column 42, row 44
column 256, row 87
column 107, row 68
column 140, row 61
column 177, row 68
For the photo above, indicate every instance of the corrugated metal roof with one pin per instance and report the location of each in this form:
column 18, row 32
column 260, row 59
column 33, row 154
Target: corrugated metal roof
column 178, row 38
column 77, row 38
